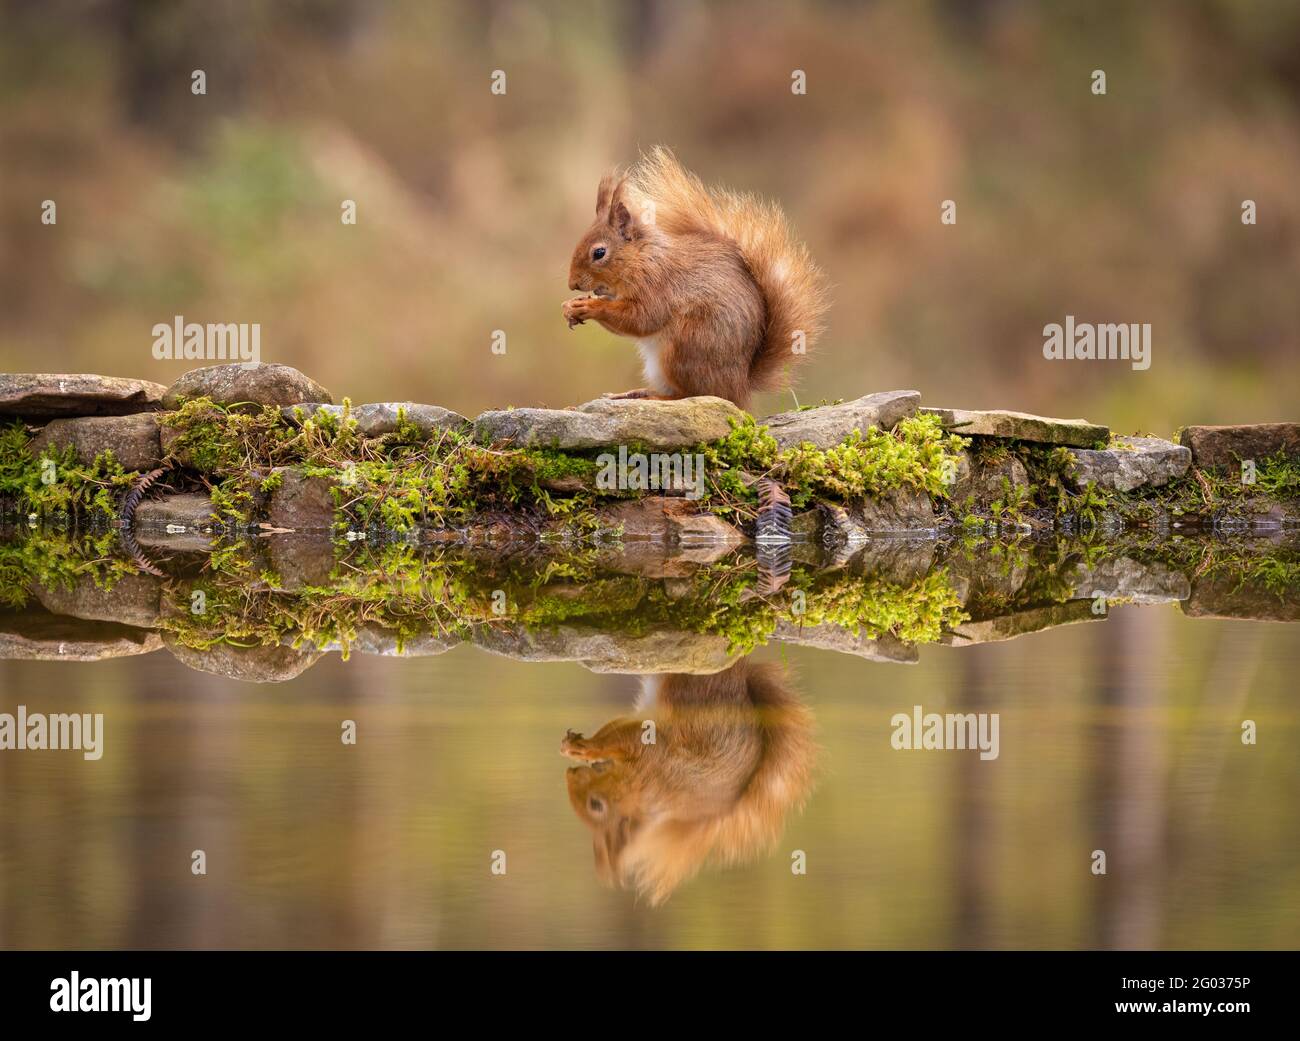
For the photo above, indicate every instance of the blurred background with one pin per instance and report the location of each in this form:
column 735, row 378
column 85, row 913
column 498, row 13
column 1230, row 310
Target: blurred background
column 226, row 207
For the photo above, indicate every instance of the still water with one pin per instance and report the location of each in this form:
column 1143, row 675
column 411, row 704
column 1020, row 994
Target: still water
column 454, row 821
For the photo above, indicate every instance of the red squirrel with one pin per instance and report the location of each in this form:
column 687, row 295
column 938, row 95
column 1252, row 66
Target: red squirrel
column 732, row 755
column 719, row 296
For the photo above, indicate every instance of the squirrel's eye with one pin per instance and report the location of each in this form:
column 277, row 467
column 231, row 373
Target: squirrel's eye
column 595, row 804
column 598, row 253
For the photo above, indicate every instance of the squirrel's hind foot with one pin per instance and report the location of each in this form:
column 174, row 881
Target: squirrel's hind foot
column 640, row 392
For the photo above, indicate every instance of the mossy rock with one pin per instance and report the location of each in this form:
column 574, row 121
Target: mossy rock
column 829, row 425
column 233, row 384
column 607, row 423
column 133, row 440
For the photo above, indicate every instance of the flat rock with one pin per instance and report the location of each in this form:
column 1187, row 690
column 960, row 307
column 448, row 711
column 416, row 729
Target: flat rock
column 262, row 663
column 829, row 425
column 191, row 511
column 379, row 418
column 133, row 439
column 41, row 394
column 187, row 509
column 231, row 384
column 1131, row 463
column 1229, row 445
column 834, row 638
column 132, row 600
column 1020, row 426
column 663, row 650
column 38, row 636
column 300, row 502
column 607, row 423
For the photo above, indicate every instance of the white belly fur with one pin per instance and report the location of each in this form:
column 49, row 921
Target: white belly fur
column 648, row 700
column 651, row 351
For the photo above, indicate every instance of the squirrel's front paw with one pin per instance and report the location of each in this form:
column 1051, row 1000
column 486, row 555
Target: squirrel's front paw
column 640, row 392
column 575, row 746
column 577, row 311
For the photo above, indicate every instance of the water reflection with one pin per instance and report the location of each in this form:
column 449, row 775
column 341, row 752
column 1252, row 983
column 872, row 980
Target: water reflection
column 1122, row 734
column 703, row 773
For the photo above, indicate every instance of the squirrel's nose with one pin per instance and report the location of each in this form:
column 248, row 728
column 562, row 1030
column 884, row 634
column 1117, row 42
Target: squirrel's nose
column 573, row 284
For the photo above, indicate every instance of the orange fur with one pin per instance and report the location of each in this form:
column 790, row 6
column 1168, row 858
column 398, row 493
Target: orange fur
column 711, row 282
column 733, row 754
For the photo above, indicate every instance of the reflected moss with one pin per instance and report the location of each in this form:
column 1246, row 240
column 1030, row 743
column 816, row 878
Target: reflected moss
column 410, row 593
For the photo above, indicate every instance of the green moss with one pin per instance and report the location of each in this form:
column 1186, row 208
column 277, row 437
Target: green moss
column 1200, row 494
column 397, row 482
column 57, row 559
column 404, row 480
column 56, row 482
column 916, row 453
column 409, row 593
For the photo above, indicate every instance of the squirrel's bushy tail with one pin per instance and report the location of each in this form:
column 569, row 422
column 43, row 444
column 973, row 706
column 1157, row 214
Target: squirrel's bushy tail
column 793, row 286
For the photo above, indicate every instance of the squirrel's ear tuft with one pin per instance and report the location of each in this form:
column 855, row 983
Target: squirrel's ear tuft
column 620, row 218
column 605, row 193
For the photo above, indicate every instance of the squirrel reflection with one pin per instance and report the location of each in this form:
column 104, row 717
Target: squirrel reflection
column 710, row 782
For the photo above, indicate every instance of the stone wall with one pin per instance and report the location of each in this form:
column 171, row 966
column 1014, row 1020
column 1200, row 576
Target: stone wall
column 992, row 481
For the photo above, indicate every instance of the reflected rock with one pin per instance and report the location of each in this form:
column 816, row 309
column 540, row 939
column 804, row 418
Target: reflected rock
column 1020, row 623
column 1129, row 579
column 1233, row 596
column 301, row 561
column 985, row 578
column 662, row 650
column 388, row 643
column 652, row 560
column 133, row 600
column 902, row 561
column 887, row 647
column 191, row 511
column 261, row 663
column 37, row 636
